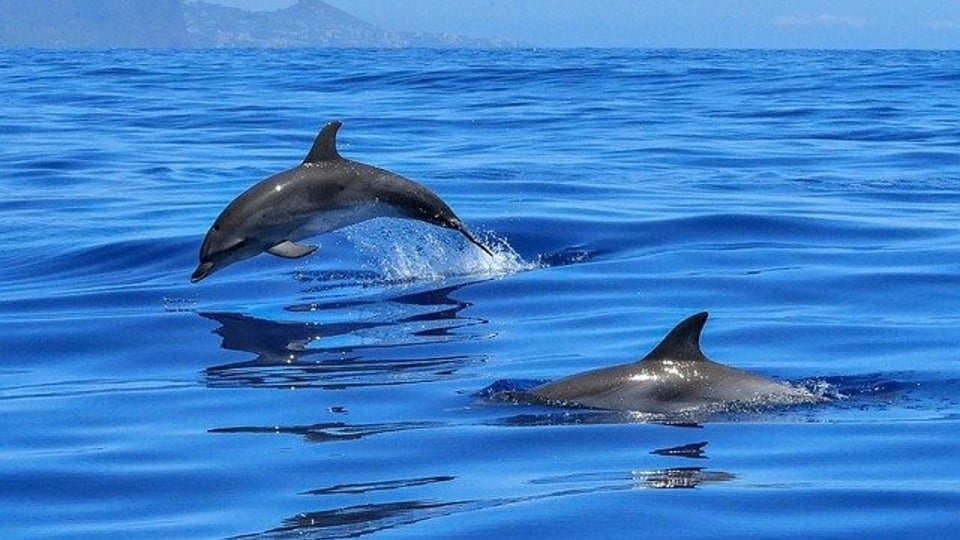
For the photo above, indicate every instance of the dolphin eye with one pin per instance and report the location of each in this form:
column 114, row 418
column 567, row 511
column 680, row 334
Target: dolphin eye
column 216, row 228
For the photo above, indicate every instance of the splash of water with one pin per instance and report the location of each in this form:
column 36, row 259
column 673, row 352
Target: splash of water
column 408, row 253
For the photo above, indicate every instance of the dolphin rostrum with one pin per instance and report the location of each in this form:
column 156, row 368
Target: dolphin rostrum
column 324, row 193
column 674, row 377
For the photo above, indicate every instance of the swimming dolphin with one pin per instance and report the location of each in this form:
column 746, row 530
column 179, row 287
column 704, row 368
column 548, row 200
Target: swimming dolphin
column 674, row 377
column 324, row 193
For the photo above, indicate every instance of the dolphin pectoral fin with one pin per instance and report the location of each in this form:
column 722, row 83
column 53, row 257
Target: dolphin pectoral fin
column 291, row 250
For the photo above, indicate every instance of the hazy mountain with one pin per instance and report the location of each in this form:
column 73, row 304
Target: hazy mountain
column 189, row 23
column 97, row 24
column 308, row 23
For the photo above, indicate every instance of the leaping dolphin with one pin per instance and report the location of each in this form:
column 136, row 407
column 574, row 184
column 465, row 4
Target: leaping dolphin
column 674, row 377
column 324, row 193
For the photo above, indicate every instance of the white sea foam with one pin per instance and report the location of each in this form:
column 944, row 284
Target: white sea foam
column 407, row 252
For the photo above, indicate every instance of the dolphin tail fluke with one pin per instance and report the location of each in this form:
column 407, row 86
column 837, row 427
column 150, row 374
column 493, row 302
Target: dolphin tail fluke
column 474, row 241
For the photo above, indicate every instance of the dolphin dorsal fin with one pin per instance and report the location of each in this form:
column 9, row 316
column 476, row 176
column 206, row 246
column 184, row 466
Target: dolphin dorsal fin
column 683, row 342
column 325, row 145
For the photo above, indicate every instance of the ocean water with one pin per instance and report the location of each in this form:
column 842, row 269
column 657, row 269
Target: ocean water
column 810, row 201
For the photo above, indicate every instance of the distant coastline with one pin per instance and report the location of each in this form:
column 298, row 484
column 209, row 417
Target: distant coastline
column 79, row 24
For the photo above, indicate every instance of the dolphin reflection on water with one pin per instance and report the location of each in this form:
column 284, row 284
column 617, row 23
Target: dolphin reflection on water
column 354, row 343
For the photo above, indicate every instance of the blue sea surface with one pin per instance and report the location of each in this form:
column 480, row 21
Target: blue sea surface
column 809, row 200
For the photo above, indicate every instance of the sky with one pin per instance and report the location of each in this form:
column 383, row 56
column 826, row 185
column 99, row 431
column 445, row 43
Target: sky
column 770, row 24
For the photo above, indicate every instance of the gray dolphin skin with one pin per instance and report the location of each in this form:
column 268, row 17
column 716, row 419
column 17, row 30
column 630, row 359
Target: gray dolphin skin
column 324, row 193
column 674, row 377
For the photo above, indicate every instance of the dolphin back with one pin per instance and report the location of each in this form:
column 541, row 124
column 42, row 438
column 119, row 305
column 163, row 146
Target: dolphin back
column 673, row 377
